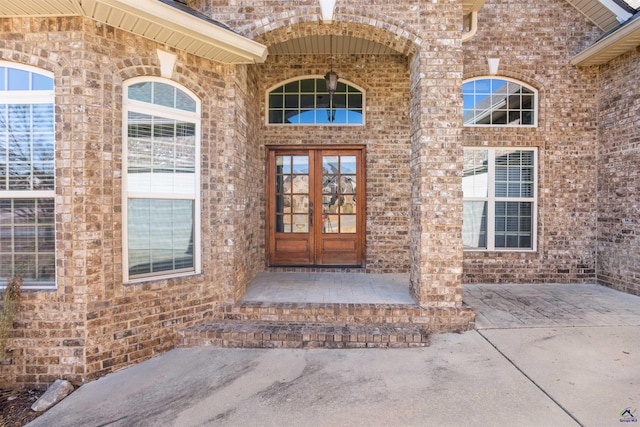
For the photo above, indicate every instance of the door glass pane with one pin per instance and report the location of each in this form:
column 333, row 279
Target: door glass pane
column 300, row 184
column 330, row 164
column 347, row 223
column 291, row 194
column 348, row 204
column 301, row 164
column 330, row 223
column 348, row 184
column 338, row 194
column 300, row 204
column 279, row 184
column 301, row 224
column 329, row 204
column 330, row 184
column 347, row 164
column 283, row 203
column 283, row 164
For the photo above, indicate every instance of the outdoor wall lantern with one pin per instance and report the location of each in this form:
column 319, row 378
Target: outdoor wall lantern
column 332, row 82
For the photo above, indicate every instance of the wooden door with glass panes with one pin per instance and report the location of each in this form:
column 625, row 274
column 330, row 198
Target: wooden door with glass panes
column 315, row 206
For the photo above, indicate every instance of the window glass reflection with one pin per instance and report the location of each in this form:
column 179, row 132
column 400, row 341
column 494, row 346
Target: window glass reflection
column 154, row 247
column 307, row 101
column 160, row 154
column 498, row 102
column 27, row 239
column 339, row 204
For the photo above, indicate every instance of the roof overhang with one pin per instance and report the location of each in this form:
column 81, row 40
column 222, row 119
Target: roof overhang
column 626, row 38
column 152, row 19
column 469, row 6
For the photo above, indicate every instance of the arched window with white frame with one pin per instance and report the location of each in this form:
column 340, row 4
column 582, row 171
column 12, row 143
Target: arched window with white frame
column 161, row 180
column 499, row 101
column 27, row 195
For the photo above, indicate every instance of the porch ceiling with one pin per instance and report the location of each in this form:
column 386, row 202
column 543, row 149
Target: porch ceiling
column 326, row 45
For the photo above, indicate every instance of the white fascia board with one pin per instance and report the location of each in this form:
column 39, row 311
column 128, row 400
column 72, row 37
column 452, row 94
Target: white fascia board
column 627, row 34
column 184, row 23
column 622, row 14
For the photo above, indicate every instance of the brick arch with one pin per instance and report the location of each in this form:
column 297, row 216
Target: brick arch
column 348, row 23
column 13, row 54
column 505, row 71
column 150, row 67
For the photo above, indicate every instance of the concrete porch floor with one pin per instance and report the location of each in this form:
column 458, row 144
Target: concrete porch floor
column 346, row 288
column 496, row 305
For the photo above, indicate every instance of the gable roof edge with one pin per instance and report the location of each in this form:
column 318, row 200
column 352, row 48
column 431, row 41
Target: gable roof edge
column 611, row 45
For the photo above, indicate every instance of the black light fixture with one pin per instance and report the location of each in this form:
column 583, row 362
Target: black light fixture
column 332, row 80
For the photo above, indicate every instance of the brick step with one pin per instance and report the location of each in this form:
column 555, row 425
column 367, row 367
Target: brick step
column 333, row 313
column 265, row 334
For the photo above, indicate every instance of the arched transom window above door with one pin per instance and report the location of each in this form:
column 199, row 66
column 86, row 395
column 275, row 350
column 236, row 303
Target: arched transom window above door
column 306, row 101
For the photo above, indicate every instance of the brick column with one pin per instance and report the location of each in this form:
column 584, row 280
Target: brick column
column 437, row 160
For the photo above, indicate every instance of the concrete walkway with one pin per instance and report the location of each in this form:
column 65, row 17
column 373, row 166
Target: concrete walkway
column 543, row 355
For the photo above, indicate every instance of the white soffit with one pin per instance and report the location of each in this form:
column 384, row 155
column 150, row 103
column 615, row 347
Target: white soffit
column 327, row 45
column 165, row 24
column 597, row 13
column 19, row 8
column 611, row 46
column 154, row 20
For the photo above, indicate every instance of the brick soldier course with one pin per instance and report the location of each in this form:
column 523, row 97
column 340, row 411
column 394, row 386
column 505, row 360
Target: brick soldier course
column 93, row 323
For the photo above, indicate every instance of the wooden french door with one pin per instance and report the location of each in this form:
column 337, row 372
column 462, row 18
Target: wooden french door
column 315, row 206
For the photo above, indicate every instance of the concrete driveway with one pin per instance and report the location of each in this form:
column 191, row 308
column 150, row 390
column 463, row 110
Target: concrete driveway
column 543, row 355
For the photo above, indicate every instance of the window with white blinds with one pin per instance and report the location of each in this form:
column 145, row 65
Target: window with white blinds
column 27, row 207
column 161, row 175
column 500, row 198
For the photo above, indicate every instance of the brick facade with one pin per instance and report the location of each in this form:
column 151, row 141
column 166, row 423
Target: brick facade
column 619, row 174
column 92, row 323
column 536, row 51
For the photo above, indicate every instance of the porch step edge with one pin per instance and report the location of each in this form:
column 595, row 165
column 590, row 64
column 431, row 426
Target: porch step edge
column 265, row 334
column 433, row 319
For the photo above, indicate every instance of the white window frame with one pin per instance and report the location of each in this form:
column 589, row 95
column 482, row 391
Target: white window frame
column 32, row 97
column 507, row 125
column 130, row 105
column 314, row 76
column 491, row 200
